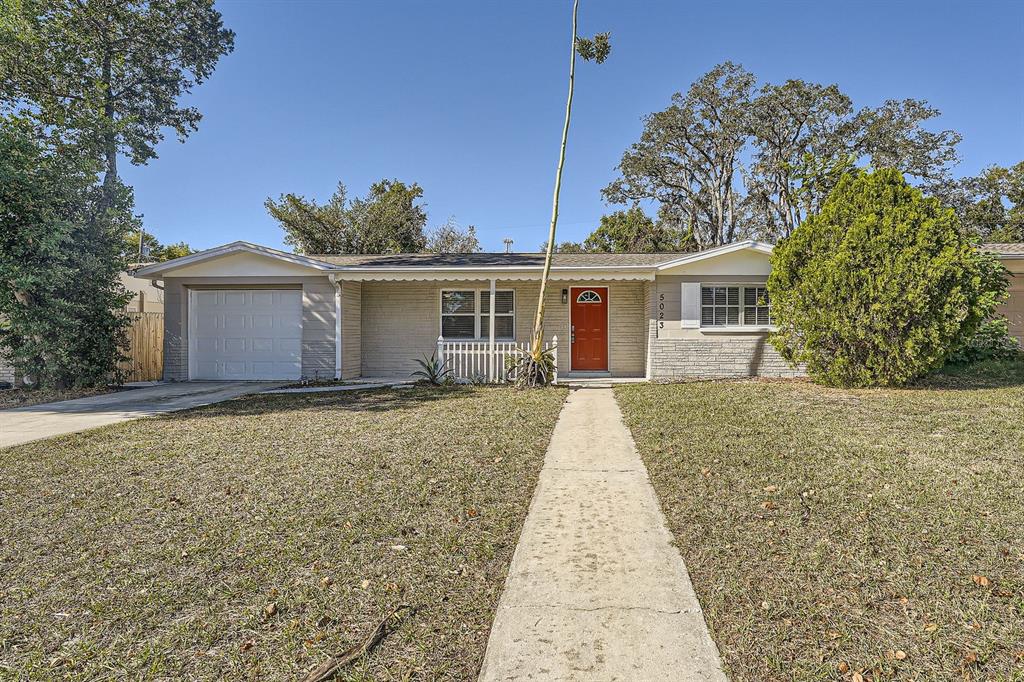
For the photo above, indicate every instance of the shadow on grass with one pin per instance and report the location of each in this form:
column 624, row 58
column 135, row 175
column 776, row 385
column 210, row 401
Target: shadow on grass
column 370, row 400
column 979, row 375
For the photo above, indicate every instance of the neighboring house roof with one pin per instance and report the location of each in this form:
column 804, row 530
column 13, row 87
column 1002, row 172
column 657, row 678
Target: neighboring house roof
column 1005, row 250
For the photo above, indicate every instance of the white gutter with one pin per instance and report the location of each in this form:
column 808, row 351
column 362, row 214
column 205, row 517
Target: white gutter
column 484, row 268
column 337, row 325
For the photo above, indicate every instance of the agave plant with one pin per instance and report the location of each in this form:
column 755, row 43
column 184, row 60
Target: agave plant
column 433, row 370
column 526, row 370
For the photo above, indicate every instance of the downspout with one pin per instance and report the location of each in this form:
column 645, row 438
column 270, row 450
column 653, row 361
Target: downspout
column 337, row 325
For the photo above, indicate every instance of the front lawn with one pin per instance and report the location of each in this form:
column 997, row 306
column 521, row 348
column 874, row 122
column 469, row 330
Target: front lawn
column 253, row 539
column 831, row 534
column 25, row 397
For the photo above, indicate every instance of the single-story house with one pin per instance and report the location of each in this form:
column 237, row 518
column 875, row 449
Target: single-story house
column 244, row 311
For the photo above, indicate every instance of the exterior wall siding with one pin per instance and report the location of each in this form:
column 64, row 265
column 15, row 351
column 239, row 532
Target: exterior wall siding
column 317, row 319
column 1013, row 307
column 351, row 329
column 402, row 320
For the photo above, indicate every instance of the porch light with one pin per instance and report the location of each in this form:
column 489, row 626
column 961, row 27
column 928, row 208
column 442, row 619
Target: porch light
column 565, row 296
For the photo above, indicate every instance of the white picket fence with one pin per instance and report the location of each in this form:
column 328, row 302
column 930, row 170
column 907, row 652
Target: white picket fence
column 474, row 361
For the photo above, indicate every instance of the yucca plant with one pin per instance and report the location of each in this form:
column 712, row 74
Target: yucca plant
column 433, row 370
column 526, row 370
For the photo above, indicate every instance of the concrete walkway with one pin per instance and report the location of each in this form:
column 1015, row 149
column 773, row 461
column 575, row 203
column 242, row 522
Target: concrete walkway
column 596, row 590
column 24, row 424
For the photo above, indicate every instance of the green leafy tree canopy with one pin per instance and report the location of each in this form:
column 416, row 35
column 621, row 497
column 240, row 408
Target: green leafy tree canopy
column 450, row 238
column 990, row 204
column 633, row 231
column 155, row 252
column 61, row 303
column 730, row 158
column 881, row 286
column 389, row 219
column 110, row 73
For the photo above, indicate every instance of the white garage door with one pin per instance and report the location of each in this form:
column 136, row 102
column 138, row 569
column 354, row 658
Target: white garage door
column 245, row 334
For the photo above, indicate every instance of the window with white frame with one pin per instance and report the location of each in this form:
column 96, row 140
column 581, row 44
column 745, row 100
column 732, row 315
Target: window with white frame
column 734, row 306
column 465, row 314
column 757, row 309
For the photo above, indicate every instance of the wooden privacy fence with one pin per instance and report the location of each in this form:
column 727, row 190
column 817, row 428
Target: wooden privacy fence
column 145, row 347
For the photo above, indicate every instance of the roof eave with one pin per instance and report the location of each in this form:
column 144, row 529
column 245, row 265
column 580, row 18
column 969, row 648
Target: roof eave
column 157, row 269
column 753, row 245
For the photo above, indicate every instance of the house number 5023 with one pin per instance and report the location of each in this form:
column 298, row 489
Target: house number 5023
column 661, row 311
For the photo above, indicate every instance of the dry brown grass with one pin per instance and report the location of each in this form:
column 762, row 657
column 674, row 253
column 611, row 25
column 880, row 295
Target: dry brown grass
column 24, row 397
column 832, row 533
column 252, row 539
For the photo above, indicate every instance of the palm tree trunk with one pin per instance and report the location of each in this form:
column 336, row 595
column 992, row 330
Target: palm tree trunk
column 537, row 340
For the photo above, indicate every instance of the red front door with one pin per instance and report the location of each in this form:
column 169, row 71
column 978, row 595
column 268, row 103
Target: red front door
column 589, row 319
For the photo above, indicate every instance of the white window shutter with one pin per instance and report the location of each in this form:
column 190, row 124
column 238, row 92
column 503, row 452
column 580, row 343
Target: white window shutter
column 690, row 305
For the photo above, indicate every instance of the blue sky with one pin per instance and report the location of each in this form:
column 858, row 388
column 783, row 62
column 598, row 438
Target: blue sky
column 467, row 98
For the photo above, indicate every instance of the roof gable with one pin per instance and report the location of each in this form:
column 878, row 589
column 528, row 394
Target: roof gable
column 238, row 259
column 741, row 258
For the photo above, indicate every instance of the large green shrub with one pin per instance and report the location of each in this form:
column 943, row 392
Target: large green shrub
column 992, row 341
column 62, row 303
column 881, row 286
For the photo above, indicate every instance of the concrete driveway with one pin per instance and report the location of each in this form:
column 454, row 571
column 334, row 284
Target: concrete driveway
column 25, row 424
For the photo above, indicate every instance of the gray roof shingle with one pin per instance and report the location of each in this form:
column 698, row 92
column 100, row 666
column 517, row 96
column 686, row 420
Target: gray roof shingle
column 1005, row 249
column 512, row 260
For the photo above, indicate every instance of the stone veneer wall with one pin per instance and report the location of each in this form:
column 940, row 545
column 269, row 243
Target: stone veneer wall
column 6, row 370
column 711, row 358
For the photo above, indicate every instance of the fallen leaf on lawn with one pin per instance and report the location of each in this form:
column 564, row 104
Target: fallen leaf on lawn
column 771, row 489
column 843, row 667
column 970, row 658
column 980, row 580
column 247, row 644
column 270, row 609
column 364, row 584
column 900, row 655
column 765, row 605
column 472, row 512
column 931, row 627
column 768, row 504
column 327, row 580
column 399, row 548
column 857, row 677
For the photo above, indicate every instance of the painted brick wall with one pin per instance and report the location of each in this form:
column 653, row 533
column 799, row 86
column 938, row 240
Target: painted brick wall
column 317, row 319
column 712, row 358
column 6, row 370
column 175, row 331
column 318, row 328
column 401, row 321
column 351, row 329
column 1013, row 308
